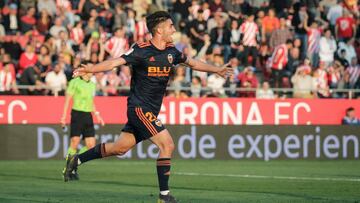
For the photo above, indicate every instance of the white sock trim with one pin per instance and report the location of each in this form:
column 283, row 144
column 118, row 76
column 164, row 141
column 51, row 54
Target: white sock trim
column 165, row 192
column 79, row 162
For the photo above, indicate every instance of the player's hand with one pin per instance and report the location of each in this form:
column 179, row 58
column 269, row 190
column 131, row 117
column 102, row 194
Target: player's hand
column 101, row 121
column 63, row 121
column 81, row 71
column 225, row 71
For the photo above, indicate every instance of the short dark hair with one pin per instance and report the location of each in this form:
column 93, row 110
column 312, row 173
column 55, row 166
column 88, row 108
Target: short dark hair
column 350, row 109
column 153, row 20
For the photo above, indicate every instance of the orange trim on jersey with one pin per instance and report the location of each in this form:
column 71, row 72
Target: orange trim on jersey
column 144, row 44
column 170, row 45
column 147, row 124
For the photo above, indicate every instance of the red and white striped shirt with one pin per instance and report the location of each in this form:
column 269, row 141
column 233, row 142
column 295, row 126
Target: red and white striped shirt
column 314, row 36
column 141, row 29
column 322, row 75
column 333, row 76
column 280, row 57
column 354, row 72
column 6, row 79
column 116, row 46
column 77, row 35
column 249, row 31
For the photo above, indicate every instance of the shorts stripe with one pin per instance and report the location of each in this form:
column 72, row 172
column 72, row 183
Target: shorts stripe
column 146, row 120
column 147, row 124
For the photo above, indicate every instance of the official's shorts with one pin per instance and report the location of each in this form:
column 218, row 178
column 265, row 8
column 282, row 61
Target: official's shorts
column 81, row 124
column 142, row 123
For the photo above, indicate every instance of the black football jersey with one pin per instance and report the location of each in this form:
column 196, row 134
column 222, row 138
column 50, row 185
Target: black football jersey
column 151, row 70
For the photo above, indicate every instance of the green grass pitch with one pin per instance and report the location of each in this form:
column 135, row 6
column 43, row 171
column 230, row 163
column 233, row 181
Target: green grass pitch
column 192, row 181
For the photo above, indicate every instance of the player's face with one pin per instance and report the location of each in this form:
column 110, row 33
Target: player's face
column 168, row 30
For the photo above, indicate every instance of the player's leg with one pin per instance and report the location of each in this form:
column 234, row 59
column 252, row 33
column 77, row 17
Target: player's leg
column 76, row 129
column 124, row 143
column 90, row 142
column 166, row 147
column 74, row 143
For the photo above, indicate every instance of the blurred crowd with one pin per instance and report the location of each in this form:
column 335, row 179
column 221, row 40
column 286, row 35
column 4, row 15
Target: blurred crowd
column 309, row 46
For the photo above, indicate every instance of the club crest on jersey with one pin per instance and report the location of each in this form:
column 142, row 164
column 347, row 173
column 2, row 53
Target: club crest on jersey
column 170, row 58
column 158, row 123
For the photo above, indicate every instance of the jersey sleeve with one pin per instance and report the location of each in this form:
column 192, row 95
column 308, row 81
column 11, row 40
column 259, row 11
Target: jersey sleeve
column 71, row 88
column 179, row 57
column 133, row 55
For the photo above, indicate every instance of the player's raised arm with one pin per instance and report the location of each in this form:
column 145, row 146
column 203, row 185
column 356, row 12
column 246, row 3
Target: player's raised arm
column 224, row 71
column 100, row 67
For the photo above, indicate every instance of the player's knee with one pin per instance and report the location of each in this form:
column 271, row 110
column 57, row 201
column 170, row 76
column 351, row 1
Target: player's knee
column 119, row 151
column 167, row 147
column 90, row 145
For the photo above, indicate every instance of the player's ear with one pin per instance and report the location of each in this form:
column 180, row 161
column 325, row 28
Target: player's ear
column 159, row 29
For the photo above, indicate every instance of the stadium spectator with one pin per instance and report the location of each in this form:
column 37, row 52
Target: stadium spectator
column 335, row 74
column 269, row 24
column 44, row 22
column 198, row 28
column 119, row 16
column 11, row 20
column 181, row 12
column 47, row 5
column 216, row 5
column 293, row 63
column 280, row 35
column 335, row 11
column 298, row 22
column 302, row 83
column 28, row 21
column 220, row 36
column 314, row 35
column 57, row 28
column 28, row 58
column 247, row 79
column 118, row 44
column 231, row 84
column 31, row 76
column 196, row 87
column 345, row 27
column 250, row 35
column 56, row 81
column 233, row 7
column 320, row 81
column 354, row 74
column 179, row 81
column 112, row 81
column 7, row 78
column 265, row 92
column 278, row 62
column 350, row 117
column 328, row 48
column 216, row 85
column 347, row 50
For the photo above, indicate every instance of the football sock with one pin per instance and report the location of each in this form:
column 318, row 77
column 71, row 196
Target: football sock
column 163, row 171
column 94, row 153
column 71, row 151
column 83, row 149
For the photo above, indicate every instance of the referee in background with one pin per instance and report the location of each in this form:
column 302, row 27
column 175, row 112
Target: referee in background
column 82, row 91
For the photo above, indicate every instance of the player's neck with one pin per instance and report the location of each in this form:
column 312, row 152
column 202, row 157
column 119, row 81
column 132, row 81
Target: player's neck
column 158, row 43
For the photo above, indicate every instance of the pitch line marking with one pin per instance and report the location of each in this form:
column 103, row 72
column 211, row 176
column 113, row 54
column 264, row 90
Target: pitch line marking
column 269, row 177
